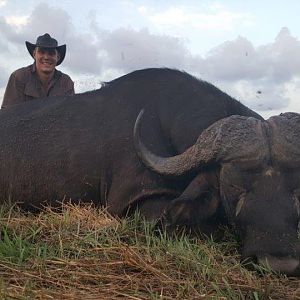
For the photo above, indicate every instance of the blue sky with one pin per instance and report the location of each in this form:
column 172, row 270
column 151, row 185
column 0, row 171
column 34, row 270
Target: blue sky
column 240, row 46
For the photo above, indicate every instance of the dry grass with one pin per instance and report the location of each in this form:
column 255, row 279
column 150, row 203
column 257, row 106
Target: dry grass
column 83, row 253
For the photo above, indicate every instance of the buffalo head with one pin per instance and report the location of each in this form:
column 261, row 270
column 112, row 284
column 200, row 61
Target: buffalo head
column 251, row 169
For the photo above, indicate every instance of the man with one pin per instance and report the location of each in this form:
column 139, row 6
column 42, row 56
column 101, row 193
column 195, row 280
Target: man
column 41, row 79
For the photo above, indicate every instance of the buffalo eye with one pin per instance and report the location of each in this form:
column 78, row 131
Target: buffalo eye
column 237, row 189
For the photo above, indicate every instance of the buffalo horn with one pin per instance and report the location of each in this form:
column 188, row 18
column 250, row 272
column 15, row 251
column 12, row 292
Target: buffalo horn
column 285, row 138
column 231, row 138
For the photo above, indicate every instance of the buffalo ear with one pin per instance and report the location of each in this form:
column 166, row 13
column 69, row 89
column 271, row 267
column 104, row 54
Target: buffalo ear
column 195, row 206
column 190, row 212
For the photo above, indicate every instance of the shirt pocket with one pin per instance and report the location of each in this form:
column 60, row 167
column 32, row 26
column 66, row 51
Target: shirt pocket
column 32, row 91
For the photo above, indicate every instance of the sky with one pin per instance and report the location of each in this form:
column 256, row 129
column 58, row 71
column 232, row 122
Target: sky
column 249, row 49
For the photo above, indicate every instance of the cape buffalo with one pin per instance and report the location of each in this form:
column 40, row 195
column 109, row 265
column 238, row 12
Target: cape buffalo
column 242, row 168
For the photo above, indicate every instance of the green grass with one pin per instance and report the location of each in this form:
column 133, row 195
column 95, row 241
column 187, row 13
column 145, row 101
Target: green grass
column 83, row 253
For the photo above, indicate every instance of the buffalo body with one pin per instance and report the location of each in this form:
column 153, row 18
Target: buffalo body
column 198, row 157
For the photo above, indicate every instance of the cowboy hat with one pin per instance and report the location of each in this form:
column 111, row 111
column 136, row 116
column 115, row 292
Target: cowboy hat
column 46, row 41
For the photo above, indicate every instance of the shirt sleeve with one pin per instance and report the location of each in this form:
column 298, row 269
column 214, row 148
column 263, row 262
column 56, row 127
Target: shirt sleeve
column 14, row 92
column 67, row 85
column 71, row 90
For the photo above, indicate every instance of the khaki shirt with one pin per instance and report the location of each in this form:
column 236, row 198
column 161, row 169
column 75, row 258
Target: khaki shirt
column 24, row 85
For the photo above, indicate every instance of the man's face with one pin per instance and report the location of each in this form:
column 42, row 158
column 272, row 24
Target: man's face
column 45, row 59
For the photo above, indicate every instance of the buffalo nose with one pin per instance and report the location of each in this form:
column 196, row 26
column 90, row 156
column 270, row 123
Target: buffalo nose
column 284, row 265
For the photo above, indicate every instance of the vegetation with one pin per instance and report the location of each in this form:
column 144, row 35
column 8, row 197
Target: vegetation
column 83, row 253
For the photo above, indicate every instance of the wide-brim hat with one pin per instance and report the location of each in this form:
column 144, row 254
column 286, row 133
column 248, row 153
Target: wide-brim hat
column 46, row 41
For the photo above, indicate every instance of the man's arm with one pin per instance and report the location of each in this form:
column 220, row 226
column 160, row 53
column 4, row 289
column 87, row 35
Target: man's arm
column 68, row 86
column 71, row 90
column 14, row 92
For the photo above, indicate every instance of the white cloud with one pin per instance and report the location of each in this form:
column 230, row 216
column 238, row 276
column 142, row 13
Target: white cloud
column 17, row 21
column 264, row 78
column 259, row 96
column 260, row 77
column 3, row 3
column 215, row 17
column 142, row 9
column 234, row 60
column 216, row 6
column 3, row 78
column 82, row 56
column 173, row 17
column 129, row 49
column 281, row 58
column 84, row 83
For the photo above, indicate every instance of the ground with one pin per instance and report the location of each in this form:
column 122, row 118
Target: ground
column 82, row 252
